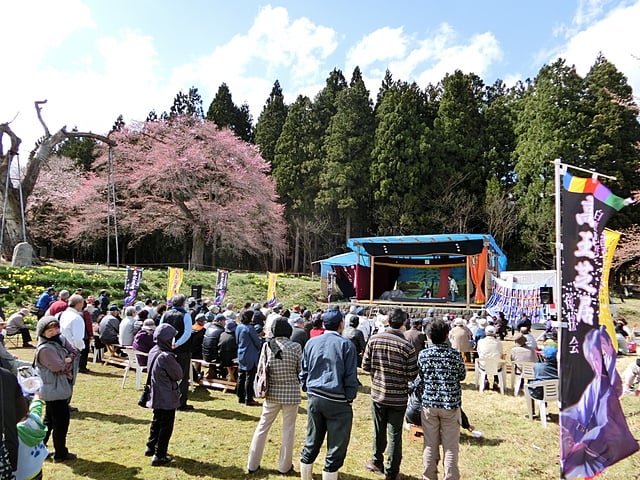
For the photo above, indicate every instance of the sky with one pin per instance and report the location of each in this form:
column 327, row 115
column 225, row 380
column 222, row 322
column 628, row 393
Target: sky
column 93, row 60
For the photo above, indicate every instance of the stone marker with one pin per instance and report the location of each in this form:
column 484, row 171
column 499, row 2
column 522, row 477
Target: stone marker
column 22, row 255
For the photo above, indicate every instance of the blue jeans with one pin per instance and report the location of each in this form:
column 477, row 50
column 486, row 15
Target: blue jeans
column 387, row 426
column 333, row 419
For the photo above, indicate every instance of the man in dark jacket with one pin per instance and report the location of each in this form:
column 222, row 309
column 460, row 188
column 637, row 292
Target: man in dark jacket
column 299, row 334
column 180, row 319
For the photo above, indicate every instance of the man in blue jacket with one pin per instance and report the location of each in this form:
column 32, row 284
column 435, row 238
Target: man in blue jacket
column 329, row 376
column 249, row 345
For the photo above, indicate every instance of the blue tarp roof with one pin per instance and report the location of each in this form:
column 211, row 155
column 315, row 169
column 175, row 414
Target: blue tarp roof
column 420, row 246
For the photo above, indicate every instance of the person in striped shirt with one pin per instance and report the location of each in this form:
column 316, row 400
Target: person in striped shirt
column 391, row 361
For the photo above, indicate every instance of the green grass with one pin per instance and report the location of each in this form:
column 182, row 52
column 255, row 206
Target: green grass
column 110, row 430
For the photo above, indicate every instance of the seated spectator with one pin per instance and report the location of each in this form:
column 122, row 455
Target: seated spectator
column 140, row 318
column 461, row 339
column 227, row 346
column 197, row 335
column 110, row 327
column 125, row 330
column 531, row 340
column 480, row 331
column 546, row 370
column 318, row 327
column 622, row 336
column 7, row 360
column 211, row 338
column 631, row 377
column 143, row 341
column 16, row 325
column 521, row 351
column 490, row 347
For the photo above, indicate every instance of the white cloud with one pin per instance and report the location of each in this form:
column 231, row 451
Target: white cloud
column 429, row 59
column 615, row 36
column 381, row 45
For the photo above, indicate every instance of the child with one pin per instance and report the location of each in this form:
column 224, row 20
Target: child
column 32, row 452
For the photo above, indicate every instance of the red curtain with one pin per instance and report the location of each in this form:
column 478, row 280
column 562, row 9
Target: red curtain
column 477, row 270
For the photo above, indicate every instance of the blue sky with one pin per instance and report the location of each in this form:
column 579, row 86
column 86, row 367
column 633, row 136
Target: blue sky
column 93, row 60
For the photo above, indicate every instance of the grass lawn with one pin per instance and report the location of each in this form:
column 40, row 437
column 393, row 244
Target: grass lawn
column 109, row 433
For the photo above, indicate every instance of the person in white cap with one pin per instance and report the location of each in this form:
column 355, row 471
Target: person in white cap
column 15, row 325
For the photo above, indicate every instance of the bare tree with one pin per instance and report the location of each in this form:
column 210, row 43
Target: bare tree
column 10, row 190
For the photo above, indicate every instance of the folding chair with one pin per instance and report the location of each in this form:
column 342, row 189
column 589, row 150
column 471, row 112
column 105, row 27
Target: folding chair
column 518, row 379
column 549, row 392
column 488, row 368
column 14, row 339
column 132, row 363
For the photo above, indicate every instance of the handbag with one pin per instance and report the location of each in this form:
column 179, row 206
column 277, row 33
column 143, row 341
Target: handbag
column 260, row 383
column 6, row 470
column 146, row 389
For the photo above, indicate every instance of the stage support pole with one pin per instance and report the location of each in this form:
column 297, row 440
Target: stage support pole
column 372, row 259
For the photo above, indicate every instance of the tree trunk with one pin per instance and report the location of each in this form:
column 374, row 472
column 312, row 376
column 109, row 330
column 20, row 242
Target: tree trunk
column 12, row 234
column 296, row 251
column 197, row 249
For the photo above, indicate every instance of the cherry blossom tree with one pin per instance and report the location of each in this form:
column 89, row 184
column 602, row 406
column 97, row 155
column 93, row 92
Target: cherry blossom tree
column 188, row 180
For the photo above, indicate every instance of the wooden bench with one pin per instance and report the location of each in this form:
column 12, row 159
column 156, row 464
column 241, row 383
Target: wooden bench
column 111, row 356
column 218, row 383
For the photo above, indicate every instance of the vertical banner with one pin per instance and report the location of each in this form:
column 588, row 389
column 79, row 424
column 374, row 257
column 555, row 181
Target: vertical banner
column 611, row 239
column 331, row 281
column 271, row 290
column 175, row 280
column 221, row 286
column 132, row 285
column 593, row 430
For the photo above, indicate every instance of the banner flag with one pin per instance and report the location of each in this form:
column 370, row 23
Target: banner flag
column 271, row 290
column 593, row 430
column 611, row 239
column 175, row 281
column 221, row 286
column 331, row 281
column 132, row 285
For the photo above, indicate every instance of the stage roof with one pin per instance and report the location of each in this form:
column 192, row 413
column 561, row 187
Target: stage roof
column 427, row 245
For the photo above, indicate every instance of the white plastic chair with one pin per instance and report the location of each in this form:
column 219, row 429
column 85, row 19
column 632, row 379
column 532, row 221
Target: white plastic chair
column 518, row 379
column 132, row 362
column 488, row 368
column 549, row 393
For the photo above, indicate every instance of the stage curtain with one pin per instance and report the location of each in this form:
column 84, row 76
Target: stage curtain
column 385, row 278
column 477, row 270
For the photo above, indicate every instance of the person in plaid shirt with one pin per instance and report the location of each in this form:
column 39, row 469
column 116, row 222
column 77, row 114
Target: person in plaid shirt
column 283, row 394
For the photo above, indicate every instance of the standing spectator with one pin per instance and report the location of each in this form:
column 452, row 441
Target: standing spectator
column 88, row 335
column 391, row 361
column 415, row 335
column 13, row 409
column 104, row 301
column 54, row 359
column 164, row 397
column 16, row 325
column 441, row 370
column 355, row 336
column 318, row 327
column 249, row 345
column 329, row 376
column 229, row 313
column 299, row 334
column 143, row 341
column 60, row 305
column 180, row 319
column 283, row 395
column 45, row 299
column 125, row 331
column 72, row 328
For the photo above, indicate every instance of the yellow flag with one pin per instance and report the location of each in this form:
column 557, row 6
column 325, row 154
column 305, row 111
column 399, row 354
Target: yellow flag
column 175, row 281
column 271, row 289
column 610, row 242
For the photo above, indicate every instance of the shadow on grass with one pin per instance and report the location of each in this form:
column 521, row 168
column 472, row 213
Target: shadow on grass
column 102, row 470
column 105, row 417
column 95, row 373
column 196, row 468
column 364, row 390
column 482, row 442
column 227, row 414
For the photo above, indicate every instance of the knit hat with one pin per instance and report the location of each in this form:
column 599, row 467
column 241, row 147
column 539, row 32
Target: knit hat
column 43, row 323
